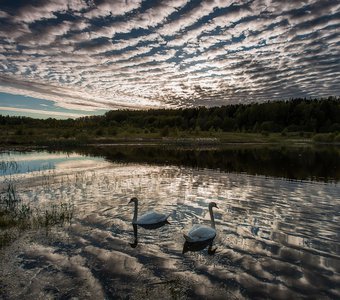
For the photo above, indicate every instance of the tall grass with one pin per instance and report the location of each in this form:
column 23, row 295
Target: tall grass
column 17, row 215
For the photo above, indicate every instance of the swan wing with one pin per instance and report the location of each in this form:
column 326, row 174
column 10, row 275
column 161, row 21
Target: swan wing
column 200, row 233
column 151, row 217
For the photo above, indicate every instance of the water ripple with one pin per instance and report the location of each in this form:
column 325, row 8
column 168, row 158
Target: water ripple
column 276, row 238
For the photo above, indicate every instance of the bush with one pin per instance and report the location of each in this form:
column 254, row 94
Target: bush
column 19, row 131
column 165, row 131
column 83, row 138
column 335, row 127
column 293, row 128
column 99, row 131
column 337, row 138
column 113, row 131
column 323, row 138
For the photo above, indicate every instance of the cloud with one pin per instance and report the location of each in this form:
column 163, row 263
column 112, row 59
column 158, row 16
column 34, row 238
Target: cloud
column 46, row 9
column 114, row 8
column 93, row 55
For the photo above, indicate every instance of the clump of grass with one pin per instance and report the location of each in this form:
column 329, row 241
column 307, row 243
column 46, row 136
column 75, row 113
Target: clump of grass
column 10, row 199
column 56, row 214
column 16, row 215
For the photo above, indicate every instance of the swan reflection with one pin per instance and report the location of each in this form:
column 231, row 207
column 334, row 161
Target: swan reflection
column 145, row 226
column 198, row 246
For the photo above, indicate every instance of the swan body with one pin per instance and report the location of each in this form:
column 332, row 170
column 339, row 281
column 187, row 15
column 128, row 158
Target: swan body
column 202, row 233
column 149, row 218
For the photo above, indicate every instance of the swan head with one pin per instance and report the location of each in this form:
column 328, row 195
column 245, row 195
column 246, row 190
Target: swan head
column 213, row 204
column 134, row 200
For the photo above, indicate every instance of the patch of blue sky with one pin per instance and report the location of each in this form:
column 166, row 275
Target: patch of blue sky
column 207, row 18
column 318, row 21
column 13, row 102
column 92, row 43
column 134, row 33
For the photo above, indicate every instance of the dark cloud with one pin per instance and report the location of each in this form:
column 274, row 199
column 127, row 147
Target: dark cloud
column 170, row 53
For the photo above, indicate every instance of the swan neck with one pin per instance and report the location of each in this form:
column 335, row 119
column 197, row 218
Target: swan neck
column 136, row 212
column 135, row 232
column 212, row 217
column 135, row 242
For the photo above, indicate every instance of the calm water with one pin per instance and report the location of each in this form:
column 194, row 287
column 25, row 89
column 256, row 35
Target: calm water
column 278, row 224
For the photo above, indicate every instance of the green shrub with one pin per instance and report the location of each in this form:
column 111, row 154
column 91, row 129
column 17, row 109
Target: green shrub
column 323, row 138
column 19, row 131
column 113, row 131
column 165, row 131
column 99, row 131
column 337, row 138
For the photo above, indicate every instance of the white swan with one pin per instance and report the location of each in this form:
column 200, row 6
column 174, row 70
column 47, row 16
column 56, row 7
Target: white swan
column 202, row 233
column 149, row 218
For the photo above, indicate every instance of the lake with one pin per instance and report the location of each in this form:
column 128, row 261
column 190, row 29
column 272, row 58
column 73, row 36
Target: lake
column 277, row 222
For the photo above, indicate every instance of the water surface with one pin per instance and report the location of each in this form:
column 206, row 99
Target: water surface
column 277, row 237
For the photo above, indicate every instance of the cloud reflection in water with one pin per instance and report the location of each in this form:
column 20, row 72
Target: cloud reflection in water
column 275, row 237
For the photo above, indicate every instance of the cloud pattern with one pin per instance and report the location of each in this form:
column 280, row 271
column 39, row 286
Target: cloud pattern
column 102, row 54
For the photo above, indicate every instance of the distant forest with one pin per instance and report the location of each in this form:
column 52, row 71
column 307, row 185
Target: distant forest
column 297, row 115
column 294, row 115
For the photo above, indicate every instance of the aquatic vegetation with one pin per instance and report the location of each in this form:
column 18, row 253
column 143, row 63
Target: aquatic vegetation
column 17, row 215
column 275, row 235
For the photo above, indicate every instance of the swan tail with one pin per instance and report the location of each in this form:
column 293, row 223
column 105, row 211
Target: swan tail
column 166, row 218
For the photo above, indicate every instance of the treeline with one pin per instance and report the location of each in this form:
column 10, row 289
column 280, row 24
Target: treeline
column 297, row 115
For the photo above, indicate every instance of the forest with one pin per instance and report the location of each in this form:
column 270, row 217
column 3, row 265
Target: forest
column 319, row 118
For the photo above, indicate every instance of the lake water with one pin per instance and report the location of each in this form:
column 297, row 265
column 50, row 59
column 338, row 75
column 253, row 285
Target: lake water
column 278, row 224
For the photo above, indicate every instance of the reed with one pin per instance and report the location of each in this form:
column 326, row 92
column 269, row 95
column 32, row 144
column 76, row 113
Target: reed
column 17, row 216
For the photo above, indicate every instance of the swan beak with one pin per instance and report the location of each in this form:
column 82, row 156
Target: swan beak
column 217, row 207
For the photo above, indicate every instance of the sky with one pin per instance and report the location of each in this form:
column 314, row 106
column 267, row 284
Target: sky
column 69, row 58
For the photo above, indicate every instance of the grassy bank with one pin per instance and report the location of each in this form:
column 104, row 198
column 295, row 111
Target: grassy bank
column 50, row 137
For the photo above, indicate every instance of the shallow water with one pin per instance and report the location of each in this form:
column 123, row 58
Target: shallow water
column 276, row 237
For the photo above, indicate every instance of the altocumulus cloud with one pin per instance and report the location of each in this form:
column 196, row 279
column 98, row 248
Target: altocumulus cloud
column 103, row 54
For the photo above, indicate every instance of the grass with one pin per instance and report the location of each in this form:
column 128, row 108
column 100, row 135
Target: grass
column 77, row 137
column 17, row 216
column 74, row 137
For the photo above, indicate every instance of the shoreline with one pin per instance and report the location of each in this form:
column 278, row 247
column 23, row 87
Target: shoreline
column 172, row 142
